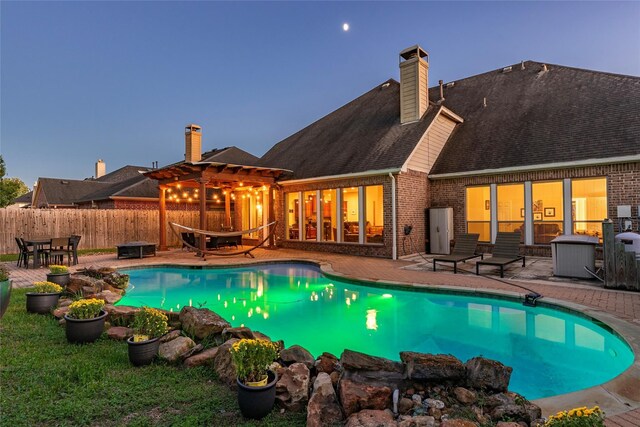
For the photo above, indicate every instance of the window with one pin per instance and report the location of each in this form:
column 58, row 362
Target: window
column 350, row 214
column 251, row 205
column 292, row 216
column 329, row 215
column 310, row 215
column 547, row 211
column 511, row 209
column 479, row 212
column 588, row 205
column 374, row 216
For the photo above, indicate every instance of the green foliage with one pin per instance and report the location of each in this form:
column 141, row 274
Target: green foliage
column 252, row 358
column 117, row 280
column 149, row 321
column 46, row 288
column 58, row 269
column 4, row 273
column 10, row 188
column 80, row 385
column 85, row 308
column 578, row 417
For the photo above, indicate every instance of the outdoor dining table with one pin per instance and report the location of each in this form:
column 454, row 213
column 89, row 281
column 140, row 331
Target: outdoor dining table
column 38, row 246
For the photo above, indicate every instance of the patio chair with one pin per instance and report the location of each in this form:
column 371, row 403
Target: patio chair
column 74, row 241
column 505, row 251
column 464, row 249
column 23, row 254
column 61, row 246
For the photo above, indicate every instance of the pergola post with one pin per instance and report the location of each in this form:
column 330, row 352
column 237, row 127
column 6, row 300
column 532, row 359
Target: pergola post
column 227, row 208
column 162, row 219
column 203, row 212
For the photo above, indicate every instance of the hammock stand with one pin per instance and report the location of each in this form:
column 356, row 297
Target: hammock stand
column 204, row 233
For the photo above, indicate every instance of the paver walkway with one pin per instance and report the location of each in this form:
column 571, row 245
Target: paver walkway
column 624, row 305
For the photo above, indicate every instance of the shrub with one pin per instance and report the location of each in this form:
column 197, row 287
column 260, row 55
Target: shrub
column 252, row 358
column 150, row 322
column 58, row 269
column 46, row 288
column 578, row 417
column 85, row 308
column 4, row 273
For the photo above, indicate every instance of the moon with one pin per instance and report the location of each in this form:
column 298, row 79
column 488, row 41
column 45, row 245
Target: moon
column 345, row 27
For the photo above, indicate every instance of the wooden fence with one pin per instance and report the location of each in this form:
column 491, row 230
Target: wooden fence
column 99, row 228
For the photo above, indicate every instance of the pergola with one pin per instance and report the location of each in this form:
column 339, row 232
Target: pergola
column 204, row 175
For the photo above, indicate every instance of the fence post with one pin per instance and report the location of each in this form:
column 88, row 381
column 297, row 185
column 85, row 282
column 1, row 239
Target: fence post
column 608, row 249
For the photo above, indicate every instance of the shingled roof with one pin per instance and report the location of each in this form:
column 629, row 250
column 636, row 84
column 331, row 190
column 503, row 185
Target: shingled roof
column 363, row 135
column 536, row 117
column 65, row 192
column 230, row 155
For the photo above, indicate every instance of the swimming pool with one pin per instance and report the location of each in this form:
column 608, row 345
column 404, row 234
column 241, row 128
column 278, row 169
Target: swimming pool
column 551, row 351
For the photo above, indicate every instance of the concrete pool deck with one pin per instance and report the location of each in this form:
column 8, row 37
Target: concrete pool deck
column 619, row 398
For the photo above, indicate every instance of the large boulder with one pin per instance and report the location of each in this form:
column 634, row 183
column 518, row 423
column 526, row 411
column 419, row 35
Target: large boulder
column 328, row 363
column 119, row 333
column 203, row 358
column 354, row 360
column 240, row 332
column 297, row 354
column 202, row 322
column 487, row 374
column 323, row 409
column 372, row 418
column 292, row 389
column 109, row 297
column 432, row 367
column 223, row 364
column 356, row 396
column 172, row 351
column 120, row 314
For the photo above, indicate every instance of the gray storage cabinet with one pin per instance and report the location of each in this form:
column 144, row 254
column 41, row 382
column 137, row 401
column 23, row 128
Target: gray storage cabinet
column 572, row 253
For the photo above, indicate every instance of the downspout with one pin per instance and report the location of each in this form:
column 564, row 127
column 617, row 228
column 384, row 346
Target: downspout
column 394, row 220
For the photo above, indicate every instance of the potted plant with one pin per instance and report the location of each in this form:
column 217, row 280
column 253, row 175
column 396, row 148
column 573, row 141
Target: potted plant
column 44, row 297
column 85, row 320
column 148, row 326
column 5, row 290
column 578, row 417
column 256, row 383
column 58, row 274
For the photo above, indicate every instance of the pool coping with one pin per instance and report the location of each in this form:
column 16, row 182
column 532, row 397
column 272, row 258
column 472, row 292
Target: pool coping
column 618, row 395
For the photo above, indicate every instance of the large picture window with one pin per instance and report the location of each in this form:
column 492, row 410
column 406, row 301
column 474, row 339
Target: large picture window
column 293, row 215
column 547, row 211
column 479, row 212
column 511, row 209
column 350, row 214
column 310, row 215
column 329, row 215
column 374, row 217
column 588, row 205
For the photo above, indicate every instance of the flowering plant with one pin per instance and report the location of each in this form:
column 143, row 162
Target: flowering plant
column 4, row 273
column 148, row 322
column 578, row 417
column 252, row 358
column 85, row 308
column 46, row 288
column 58, row 269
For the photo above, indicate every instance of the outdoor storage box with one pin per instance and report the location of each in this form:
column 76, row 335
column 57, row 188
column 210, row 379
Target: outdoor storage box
column 572, row 253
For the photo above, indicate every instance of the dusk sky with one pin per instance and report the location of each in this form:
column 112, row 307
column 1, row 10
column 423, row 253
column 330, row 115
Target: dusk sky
column 120, row 80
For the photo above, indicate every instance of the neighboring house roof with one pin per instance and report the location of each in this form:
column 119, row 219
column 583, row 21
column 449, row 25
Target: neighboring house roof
column 363, row 135
column 136, row 186
column 536, row 117
column 230, row 155
column 25, row 198
column 123, row 173
column 64, row 192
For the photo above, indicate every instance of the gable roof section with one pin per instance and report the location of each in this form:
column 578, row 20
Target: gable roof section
column 537, row 117
column 67, row 192
column 136, row 186
column 233, row 155
column 363, row 135
column 124, row 173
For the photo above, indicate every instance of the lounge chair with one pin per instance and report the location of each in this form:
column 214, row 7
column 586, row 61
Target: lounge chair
column 505, row 251
column 464, row 249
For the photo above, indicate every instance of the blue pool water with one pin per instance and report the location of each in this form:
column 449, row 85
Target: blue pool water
column 552, row 352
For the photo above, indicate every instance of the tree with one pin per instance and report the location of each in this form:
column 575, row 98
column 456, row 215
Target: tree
column 10, row 188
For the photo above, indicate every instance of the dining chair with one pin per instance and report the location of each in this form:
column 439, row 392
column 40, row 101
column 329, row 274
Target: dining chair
column 23, row 253
column 60, row 246
column 74, row 241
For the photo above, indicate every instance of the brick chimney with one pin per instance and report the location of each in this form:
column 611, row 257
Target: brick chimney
column 193, row 143
column 414, row 84
column 101, row 168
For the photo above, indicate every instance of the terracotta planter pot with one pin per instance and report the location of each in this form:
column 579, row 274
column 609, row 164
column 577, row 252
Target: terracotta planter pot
column 61, row 279
column 5, row 296
column 81, row 331
column 143, row 352
column 257, row 402
column 41, row 303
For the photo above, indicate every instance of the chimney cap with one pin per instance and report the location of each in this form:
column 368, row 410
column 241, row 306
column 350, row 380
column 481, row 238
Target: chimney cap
column 193, row 127
column 412, row 51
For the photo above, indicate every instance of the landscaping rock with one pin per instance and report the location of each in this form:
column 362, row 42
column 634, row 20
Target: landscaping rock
column 223, row 365
column 323, row 409
column 419, row 421
column 434, row 403
column 527, row 412
column 240, row 332
column 292, row 389
column 507, row 424
column 260, row 336
column 197, row 349
column 122, row 314
column 170, row 336
column 203, row 358
column 119, row 333
column 465, row 396
column 297, row 354
column 353, row 360
column 173, row 350
column 432, row 367
column 327, row 362
column 405, row 405
column 59, row 312
column 458, row 422
column 64, row 302
column 202, row 322
column 356, row 396
column 109, row 297
column 487, row 374
column 371, row 418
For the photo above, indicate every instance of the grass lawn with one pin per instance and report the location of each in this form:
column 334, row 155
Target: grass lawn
column 14, row 257
column 46, row 381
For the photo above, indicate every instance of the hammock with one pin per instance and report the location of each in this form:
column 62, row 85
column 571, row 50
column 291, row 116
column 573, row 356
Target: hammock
column 217, row 234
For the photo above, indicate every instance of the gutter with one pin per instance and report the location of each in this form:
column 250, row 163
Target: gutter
column 544, row 166
column 342, row 176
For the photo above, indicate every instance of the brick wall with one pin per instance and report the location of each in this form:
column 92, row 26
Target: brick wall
column 412, row 199
column 623, row 188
